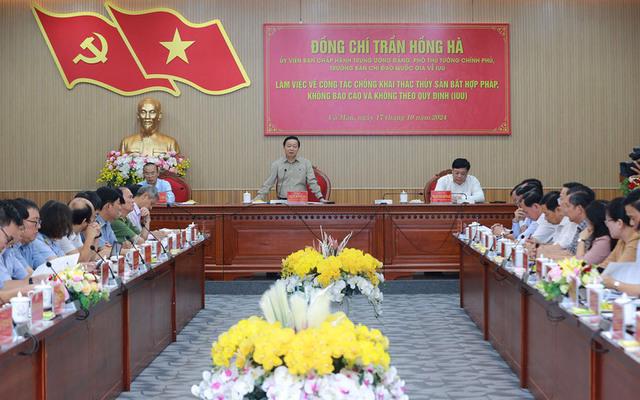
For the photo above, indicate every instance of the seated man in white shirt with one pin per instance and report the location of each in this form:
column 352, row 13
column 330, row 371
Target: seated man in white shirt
column 464, row 188
column 84, row 231
column 540, row 230
column 150, row 171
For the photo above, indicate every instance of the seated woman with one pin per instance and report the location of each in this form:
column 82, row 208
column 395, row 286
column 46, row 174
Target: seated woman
column 632, row 208
column 594, row 243
column 56, row 222
column 620, row 228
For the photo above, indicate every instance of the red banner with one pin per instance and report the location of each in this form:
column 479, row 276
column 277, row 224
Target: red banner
column 386, row 79
column 141, row 51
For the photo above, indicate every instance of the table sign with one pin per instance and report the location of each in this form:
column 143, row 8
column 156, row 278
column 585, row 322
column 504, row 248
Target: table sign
column 637, row 326
column 58, row 297
column 119, row 261
column 539, row 263
column 170, row 242
column 183, row 232
column 104, row 273
column 178, row 240
column 441, row 196
column 594, row 297
column 6, row 324
column 574, row 285
column 617, row 326
column 47, row 294
column 297, row 197
column 37, row 306
column 508, row 250
column 146, row 248
column 162, row 197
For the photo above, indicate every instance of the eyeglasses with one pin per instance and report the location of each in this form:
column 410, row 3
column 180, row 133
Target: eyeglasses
column 37, row 222
column 8, row 238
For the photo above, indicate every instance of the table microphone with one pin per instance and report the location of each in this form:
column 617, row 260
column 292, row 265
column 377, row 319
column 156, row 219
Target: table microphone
column 129, row 239
column 164, row 249
column 118, row 281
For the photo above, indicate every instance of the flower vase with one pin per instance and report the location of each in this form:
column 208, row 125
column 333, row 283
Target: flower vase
column 342, row 306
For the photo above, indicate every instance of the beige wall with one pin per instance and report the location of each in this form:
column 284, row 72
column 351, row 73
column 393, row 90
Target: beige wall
column 575, row 100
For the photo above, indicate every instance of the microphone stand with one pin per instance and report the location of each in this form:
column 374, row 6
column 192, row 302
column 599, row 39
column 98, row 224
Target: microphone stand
column 119, row 281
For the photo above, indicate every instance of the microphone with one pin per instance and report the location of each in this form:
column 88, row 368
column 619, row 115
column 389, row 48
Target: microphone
column 283, row 176
column 118, row 281
column 48, row 264
column 164, row 249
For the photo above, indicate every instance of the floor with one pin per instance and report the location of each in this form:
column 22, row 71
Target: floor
column 436, row 348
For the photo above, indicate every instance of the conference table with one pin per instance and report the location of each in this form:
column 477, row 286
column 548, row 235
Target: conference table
column 555, row 354
column 97, row 356
column 251, row 239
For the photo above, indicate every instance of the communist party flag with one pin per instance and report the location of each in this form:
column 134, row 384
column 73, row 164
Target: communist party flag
column 87, row 47
column 169, row 46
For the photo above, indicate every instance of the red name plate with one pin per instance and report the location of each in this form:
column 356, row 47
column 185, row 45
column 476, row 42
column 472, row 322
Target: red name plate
column 121, row 267
column 386, row 79
column 618, row 318
column 6, row 324
column 136, row 259
column 184, row 236
column 58, row 298
column 162, row 197
column 104, row 273
column 594, row 301
column 297, row 197
column 37, row 306
column 638, row 326
column 441, row 196
column 169, row 243
column 147, row 253
column 178, row 240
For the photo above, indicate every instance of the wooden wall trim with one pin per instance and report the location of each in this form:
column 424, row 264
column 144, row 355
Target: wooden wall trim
column 340, row 196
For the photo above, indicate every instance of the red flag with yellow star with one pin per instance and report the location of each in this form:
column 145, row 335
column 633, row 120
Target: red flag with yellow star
column 166, row 45
column 88, row 48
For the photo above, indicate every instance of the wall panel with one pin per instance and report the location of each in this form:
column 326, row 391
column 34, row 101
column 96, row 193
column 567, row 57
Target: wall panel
column 574, row 101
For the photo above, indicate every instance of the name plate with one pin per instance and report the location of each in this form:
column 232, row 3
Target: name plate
column 162, row 197
column 297, row 197
column 441, row 196
column 37, row 306
column 6, row 324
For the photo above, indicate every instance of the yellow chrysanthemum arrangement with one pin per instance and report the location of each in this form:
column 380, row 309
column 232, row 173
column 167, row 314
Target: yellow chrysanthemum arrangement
column 352, row 262
column 337, row 342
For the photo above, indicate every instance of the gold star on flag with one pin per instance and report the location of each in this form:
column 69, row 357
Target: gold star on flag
column 177, row 47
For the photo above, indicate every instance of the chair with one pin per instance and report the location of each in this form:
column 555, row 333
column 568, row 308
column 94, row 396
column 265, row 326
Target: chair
column 323, row 182
column 179, row 186
column 431, row 184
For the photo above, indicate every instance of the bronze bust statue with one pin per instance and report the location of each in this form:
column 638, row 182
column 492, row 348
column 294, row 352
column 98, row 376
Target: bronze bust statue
column 149, row 141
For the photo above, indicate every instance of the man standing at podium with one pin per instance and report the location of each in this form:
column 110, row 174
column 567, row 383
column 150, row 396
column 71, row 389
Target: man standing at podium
column 464, row 188
column 291, row 173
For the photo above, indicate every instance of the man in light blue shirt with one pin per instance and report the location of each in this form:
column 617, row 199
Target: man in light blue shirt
column 109, row 211
column 15, row 265
column 151, row 172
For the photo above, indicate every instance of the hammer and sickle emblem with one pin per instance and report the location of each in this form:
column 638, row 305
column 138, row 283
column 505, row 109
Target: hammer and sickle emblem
column 99, row 55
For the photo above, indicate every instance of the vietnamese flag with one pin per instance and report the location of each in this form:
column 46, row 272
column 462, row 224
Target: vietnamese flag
column 169, row 46
column 88, row 48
